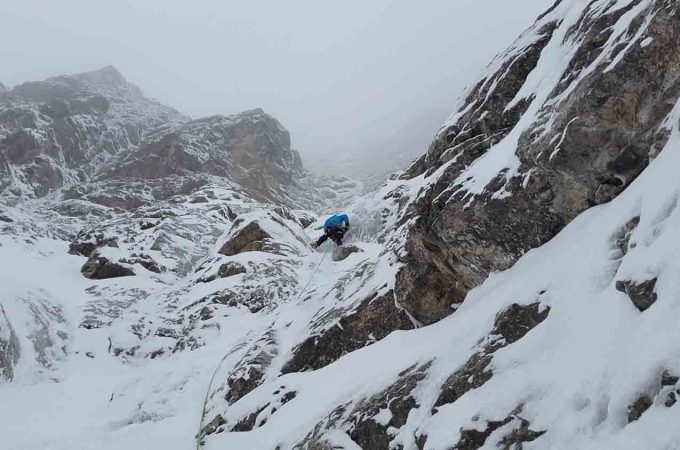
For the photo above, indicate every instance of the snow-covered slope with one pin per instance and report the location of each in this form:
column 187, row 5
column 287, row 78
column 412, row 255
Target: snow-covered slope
column 514, row 288
column 95, row 129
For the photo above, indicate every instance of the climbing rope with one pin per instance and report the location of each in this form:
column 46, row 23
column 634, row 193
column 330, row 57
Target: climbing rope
column 311, row 278
column 199, row 435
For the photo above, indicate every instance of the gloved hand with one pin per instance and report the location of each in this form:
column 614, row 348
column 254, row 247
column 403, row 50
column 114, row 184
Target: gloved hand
column 314, row 245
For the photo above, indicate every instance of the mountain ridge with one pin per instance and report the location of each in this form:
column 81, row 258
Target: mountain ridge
column 516, row 285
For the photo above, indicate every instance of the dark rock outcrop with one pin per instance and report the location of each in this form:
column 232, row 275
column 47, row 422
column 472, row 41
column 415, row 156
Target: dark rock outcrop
column 517, row 320
column 251, row 238
column 472, row 439
column 250, row 148
column 510, row 325
column 638, row 408
column 59, row 131
column 99, row 267
column 145, row 261
column 374, row 319
column 86, row 243
column 9, row 348
column 370, row 433
column 251, row 368
column 601, row 127
column 668, row 378
column 342, row 252
column 641, row 294
column 228, row 269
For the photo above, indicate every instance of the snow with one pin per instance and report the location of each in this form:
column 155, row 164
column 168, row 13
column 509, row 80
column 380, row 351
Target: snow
column 81, row 402
column 619, row 352
column 646, row 41
column 540, row 86
column 110, row 402
column 153, row 371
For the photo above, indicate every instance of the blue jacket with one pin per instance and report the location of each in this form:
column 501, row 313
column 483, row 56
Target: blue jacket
column 336, row 222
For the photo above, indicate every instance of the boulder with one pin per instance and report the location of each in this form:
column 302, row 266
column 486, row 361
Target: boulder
column 146, row 224
column 343, row 251
column 228, row 269
column 641, row 294
column 668, row 378
column 250, row 238
column 99, row 267
column 264, row 231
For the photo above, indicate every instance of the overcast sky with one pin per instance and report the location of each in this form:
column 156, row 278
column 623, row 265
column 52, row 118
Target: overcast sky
column 347, row 78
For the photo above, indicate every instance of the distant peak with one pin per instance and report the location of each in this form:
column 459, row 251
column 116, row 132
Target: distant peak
column 254, row 111
column 107, row 74
column 109, row 70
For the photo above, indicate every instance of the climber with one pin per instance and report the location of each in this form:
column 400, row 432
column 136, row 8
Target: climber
column 335, row 228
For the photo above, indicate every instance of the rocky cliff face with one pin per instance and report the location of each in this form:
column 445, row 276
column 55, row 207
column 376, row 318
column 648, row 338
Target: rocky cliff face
column 516, row 287
column 92, row 131
column 58, row 132
column 564, row 120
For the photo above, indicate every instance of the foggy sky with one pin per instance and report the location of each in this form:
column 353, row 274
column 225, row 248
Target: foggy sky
column 348, row 79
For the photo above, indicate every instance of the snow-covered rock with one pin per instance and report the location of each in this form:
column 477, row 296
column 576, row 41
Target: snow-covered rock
column 563, row 120
column 517, row 286
column 343, row 251
column 60, row 131
column 10, row 347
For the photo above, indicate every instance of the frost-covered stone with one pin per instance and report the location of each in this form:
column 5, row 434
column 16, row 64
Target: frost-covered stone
column 342, row 252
